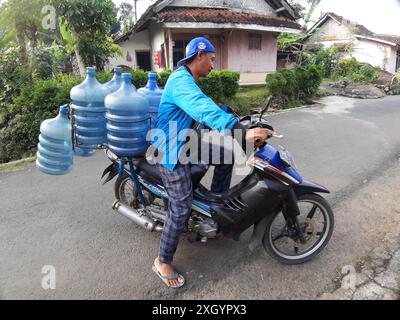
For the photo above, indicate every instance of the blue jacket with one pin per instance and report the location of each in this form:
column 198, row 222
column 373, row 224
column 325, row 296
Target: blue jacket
column 181, row 102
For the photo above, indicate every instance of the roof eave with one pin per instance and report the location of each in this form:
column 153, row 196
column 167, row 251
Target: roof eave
column 376, row 40
column 240, row 26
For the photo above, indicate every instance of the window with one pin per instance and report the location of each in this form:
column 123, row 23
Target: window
column 255, row 41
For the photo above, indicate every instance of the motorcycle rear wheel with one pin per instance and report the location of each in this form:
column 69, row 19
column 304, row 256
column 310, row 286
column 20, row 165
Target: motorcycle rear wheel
column 125, row 190
column 316, row 220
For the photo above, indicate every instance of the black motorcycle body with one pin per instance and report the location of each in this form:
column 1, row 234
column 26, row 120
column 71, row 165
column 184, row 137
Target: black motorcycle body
column 271, row 192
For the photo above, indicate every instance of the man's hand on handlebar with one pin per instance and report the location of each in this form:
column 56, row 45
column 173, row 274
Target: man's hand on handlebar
column 258, row 136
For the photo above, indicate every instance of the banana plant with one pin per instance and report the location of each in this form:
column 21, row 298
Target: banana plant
column 71, row 44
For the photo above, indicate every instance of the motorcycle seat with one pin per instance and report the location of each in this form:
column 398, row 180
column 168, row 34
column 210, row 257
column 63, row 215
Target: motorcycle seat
column 150, row 171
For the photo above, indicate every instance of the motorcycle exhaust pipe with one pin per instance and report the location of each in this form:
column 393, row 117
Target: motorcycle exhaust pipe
column 133, row 215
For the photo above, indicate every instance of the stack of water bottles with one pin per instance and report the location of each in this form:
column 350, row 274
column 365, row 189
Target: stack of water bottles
column 113, row 114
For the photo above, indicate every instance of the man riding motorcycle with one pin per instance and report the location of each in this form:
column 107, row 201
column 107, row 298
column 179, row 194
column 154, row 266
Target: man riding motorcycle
column 182, row 104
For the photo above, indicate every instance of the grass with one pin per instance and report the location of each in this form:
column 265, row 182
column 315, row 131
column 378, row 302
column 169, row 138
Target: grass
column 16, row 165
column 249, row 97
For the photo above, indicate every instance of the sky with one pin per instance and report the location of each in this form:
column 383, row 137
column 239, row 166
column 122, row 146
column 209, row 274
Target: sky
column 381, row 16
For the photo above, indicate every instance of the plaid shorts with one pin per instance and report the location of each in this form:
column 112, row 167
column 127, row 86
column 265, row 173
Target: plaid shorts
column 178, row 184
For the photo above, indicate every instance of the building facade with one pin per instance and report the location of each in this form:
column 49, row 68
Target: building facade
column 381, row 51
column 244, row 33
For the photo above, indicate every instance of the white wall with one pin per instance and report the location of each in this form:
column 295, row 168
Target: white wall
column 137, row 42
column 157, row 39
column 375, row 53
column 393, row 58
column 331, row 31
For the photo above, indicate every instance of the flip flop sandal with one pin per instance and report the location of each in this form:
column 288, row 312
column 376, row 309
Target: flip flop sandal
column 166, row 279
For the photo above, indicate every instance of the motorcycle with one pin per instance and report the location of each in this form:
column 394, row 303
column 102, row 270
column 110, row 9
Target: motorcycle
column 291, row 220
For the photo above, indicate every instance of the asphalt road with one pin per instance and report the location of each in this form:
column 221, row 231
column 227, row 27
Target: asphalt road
column 350, row 146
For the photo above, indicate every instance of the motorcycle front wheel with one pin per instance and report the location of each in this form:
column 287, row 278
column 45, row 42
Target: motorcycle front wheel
column 285, row 243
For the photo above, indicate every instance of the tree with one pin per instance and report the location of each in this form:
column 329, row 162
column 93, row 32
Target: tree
column 294, row 42
column 126, row 16
column 22, row 18
column 313, row 5
column 89, row 23
column 305, row 9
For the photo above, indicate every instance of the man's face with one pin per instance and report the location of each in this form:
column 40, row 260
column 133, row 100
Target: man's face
column 206, row 63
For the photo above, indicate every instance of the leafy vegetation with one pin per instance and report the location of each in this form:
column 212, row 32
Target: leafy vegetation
column 352, row 69
column 89, row 25
column 297, row 84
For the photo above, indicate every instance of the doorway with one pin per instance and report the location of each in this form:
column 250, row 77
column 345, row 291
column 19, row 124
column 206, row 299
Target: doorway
column 143, row 60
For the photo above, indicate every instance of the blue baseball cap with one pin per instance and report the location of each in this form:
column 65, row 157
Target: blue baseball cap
column 194, row 46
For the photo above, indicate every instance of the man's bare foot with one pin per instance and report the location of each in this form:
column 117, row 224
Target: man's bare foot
column 168, row 273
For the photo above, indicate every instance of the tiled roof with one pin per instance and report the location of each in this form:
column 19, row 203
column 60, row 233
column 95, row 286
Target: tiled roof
column 363, row 31
column 389, row 37
column 359, row 28
column 177, row 14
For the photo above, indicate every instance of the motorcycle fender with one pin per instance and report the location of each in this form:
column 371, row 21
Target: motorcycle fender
column 309, row 187
column 260, row 226
column 237, row 213
column 112, row 171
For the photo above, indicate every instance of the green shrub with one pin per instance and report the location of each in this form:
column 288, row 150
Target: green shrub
column 295, row 84
column 212, row 86
column 326, row 57
column 354, row 70
column 34, row 105
column 139, row 78
column 14, row 76
column 276, row 83
column 42, row 64
column 230, row 83
column 104, row 76
column 345, row 67
column 220, row 86
column 365, row 74
column 308, row 79
column 59, row 57
column 162, row 77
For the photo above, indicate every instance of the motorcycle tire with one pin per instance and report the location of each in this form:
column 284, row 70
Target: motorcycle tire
column 271, row 239
column 124, row 189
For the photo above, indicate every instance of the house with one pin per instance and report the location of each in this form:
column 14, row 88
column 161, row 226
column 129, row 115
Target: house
column 382, row 51
column 244, row 33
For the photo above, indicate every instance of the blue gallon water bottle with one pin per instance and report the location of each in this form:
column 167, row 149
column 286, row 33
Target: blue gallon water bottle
column 127, row 120
column 153, row 93
column 54, row 155
column 115, row 83
column 89, row 111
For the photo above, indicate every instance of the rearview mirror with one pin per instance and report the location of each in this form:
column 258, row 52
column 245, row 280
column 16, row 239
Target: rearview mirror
column 265, row 106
